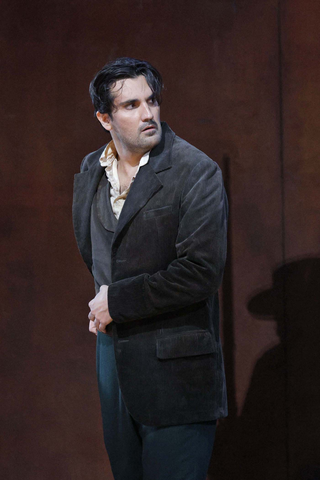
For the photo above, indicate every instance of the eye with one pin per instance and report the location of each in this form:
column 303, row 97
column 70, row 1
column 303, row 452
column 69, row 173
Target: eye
column 153, row 101
column 130, row 106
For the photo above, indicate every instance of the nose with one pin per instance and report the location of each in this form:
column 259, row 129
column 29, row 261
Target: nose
column 147, row 113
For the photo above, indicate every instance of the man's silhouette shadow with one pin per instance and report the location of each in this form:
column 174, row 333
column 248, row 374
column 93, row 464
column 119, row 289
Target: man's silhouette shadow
column 277, row 436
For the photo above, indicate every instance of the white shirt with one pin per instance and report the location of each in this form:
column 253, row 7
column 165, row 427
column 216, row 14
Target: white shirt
column 109, row 160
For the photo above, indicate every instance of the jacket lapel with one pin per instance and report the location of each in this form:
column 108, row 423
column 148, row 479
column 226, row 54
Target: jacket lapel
column 143, row 188
column 147, row 182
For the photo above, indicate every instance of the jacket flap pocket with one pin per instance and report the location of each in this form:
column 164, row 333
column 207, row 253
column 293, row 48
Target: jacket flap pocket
column 185, row 345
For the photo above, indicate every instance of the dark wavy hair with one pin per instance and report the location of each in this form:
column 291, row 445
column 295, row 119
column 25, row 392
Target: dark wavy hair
column 120, row 69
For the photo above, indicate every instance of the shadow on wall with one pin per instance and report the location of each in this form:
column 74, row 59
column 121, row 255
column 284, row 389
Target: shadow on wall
column 277, row 435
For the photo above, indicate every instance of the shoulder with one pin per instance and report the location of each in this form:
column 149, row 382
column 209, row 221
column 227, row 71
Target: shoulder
column 188, row 157
column 91, row 159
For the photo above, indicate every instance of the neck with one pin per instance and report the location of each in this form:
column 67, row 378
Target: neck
column 131, row 160
column 126, row 157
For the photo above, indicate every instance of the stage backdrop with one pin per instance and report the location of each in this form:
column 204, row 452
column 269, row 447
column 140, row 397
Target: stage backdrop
column 242, row 84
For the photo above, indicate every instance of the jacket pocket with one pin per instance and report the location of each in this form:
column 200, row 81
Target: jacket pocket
column 157, row 212
column 198, row 342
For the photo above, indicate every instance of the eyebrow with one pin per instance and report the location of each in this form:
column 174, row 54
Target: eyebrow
column 133, row 100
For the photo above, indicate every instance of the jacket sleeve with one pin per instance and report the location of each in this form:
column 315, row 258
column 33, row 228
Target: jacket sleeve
column 197, row 271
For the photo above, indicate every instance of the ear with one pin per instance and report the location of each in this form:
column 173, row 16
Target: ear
column 105, row 120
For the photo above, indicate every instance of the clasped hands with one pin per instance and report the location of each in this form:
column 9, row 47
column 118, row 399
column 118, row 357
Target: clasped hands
column 99, row 316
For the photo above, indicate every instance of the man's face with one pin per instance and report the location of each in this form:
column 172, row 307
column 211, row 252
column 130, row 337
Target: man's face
column 135, row 124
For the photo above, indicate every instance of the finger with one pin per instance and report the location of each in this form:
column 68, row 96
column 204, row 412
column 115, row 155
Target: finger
column 90, row 303
column 92, row 327
column 91, row 316
column 102, row 328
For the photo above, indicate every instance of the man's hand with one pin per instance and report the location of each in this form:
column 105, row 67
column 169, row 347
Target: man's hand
column 99, row 312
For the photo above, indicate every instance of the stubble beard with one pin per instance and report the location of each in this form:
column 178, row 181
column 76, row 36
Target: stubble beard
column 147, row 141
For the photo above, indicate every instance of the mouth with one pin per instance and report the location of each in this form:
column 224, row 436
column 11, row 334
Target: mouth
column 149, row 128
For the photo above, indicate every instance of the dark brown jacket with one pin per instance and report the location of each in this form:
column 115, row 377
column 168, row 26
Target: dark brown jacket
column 167, row 257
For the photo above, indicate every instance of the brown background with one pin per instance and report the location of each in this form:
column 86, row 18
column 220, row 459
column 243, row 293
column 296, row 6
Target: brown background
column 242, row 84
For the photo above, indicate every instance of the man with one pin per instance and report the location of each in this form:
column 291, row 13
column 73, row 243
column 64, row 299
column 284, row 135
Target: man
column 150, row 221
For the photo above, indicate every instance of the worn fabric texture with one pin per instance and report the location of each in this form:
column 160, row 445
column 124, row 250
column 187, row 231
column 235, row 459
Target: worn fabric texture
column 167, row 255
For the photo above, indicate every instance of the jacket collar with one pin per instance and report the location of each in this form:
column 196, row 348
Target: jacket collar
column 160, row 155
